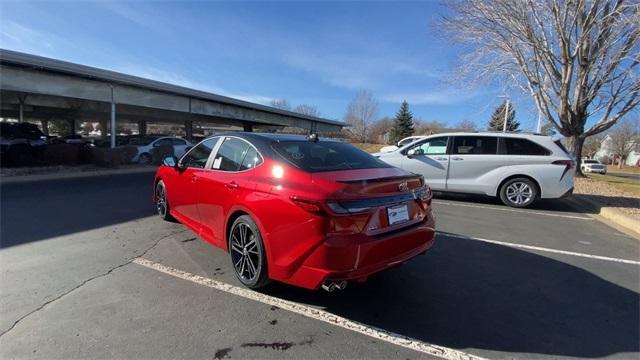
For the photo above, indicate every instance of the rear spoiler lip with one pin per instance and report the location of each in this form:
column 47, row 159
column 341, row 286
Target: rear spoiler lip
column 390, row 178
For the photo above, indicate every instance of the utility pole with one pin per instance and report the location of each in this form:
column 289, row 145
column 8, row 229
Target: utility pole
column 506, row 116
column 539, row 125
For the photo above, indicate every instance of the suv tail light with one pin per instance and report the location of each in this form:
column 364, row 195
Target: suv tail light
column 569, row 164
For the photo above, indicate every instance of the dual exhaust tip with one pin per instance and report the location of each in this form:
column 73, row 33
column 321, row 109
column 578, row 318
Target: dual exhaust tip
column 330, row 286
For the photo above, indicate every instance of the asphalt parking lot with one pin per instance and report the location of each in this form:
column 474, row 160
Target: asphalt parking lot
column 88, row 271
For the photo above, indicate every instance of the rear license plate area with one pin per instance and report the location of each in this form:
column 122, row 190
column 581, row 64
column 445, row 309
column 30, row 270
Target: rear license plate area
column 397, row 214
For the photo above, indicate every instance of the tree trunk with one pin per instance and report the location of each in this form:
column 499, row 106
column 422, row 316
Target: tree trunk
column 619, row 162
column 574, row 145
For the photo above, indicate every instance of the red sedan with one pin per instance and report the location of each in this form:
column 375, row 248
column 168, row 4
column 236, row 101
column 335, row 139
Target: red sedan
column 301, row 210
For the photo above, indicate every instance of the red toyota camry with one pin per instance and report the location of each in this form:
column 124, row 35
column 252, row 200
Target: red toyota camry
column 301, row 210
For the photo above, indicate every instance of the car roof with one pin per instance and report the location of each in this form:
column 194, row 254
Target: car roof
column 264, row 141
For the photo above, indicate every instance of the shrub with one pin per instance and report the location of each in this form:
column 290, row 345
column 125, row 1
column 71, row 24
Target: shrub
column 128, row 152
column 158, row 153
column 107, row 157
column 62, row 154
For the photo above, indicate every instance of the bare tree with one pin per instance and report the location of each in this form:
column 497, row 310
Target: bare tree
column 427, row 127
column 281, row 104
column 361, row 112
column 466, row 124
column 625, row 138
column 379, row 128
column 577, row 58
column 305, row 109
column 592, row 145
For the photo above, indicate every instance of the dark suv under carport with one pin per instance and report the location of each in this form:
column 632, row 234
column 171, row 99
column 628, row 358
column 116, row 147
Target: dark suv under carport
column 21, row 143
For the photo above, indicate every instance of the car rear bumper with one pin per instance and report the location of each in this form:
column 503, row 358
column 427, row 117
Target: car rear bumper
column 357, row 256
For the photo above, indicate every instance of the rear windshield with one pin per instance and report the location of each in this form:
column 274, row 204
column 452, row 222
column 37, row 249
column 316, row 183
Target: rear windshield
column 326, row 156
column 590, row 162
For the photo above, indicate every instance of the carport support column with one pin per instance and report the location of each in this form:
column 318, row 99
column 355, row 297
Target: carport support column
column 21, row 99
column 188, row 129
column 113, row 124
column 248, row 127
column 72, row 126
column 142, row 127
column 45, row 126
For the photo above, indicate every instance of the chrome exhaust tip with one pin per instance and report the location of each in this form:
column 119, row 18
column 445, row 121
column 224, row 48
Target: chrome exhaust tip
column 330, row 286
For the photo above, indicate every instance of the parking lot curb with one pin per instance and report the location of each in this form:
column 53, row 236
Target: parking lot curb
column 609, row 213
column 18, row 179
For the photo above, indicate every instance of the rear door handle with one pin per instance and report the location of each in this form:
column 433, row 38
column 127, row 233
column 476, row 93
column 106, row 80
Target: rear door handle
column 457, row 158
column 193, row 178
column 232, row 185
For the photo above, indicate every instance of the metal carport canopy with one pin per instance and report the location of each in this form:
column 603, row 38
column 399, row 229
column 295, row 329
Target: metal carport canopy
column 31, row 74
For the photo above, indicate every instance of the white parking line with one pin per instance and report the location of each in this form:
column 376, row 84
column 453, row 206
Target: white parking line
column 313, row 313
column 513, row 210
column 543, row 249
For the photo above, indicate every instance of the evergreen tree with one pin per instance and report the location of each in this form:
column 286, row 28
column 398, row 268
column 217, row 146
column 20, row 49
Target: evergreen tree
column 497, row 119
column 402, row 124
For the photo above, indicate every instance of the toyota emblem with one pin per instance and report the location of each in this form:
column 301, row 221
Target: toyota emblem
column 403, row 186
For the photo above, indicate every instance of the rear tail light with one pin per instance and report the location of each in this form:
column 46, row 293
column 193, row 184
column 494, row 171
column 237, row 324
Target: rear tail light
column 311, row 206
column 341, row 209
column 568, row 163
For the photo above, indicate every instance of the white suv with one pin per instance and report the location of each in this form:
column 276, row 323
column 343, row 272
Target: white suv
column 589, row 165
column 519, row 168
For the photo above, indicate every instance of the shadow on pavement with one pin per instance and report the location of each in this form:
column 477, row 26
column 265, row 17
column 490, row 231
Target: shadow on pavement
column 472, row 295
column 42, row 210
column 560, row 205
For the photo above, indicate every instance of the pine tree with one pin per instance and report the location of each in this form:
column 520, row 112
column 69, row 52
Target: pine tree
column 497, row 119
column 402, row 124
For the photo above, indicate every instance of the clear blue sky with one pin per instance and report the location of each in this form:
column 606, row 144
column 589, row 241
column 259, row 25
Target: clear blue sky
column 314, row 53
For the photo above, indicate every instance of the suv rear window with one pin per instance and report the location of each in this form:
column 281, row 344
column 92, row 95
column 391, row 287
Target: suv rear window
column 518, row 146
column 326, row 156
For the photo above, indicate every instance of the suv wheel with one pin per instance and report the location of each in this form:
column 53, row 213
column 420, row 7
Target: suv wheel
column 247, row 253
column 519, row 192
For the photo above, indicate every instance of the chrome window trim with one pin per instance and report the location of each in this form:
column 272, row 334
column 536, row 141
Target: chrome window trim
column 209, row 160
column 219, row 145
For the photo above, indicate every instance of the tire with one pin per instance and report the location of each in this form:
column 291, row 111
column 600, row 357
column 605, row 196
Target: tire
column 247, row 253
column 162, row 203
column 519, row 192
column 145, row 159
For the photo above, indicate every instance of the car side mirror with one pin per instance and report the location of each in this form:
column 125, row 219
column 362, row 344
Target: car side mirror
column 414, row 152
column 171, row 161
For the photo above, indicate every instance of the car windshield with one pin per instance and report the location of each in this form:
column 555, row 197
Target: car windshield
column 326, row 156
column 590, row 161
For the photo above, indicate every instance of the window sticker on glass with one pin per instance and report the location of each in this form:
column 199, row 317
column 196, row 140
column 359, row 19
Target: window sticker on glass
column 217, row 162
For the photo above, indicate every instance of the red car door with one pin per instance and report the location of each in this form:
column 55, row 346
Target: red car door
column 221, row 187
column 184, row 194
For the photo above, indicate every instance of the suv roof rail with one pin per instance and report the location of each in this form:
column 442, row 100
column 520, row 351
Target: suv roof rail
column 516, row 132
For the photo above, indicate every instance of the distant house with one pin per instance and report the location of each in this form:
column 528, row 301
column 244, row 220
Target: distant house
column 606, row 152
